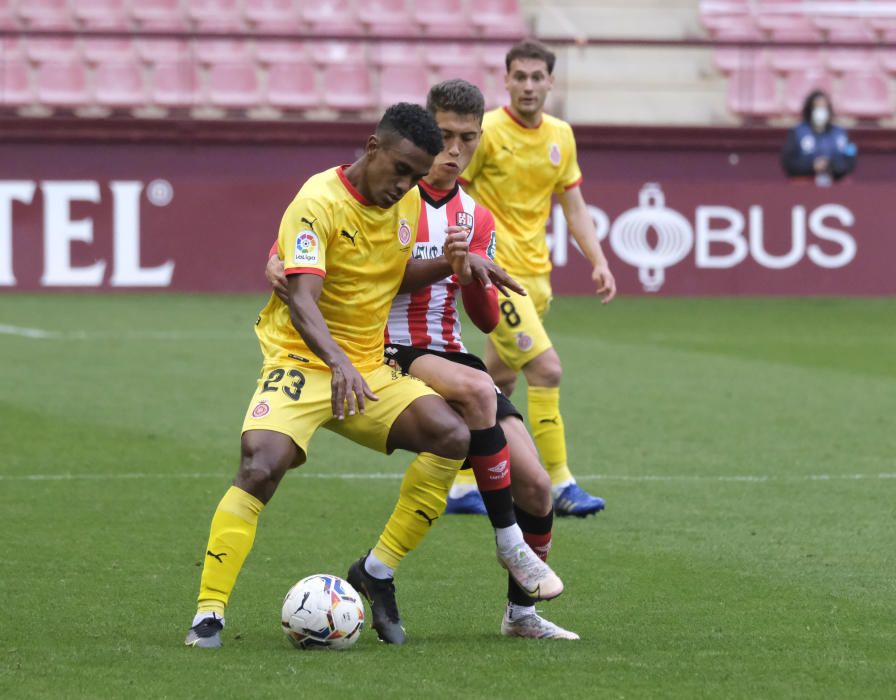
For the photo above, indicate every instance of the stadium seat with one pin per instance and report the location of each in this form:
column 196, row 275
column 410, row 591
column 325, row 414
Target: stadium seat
column 471, row 72
column 495, row 93
column 753, row 92
column 499, row 19
column 441, row 18
column 493, row 56
column 786, row 60
column 209, row 48
column 347, row 87
column 158, row 49
column 841, row 59
column 292, row 86
column 275, row 16
column 326, row 52
column 48, row 14
column 865, row 94
column 333, row 17
column 387, row 18
column 215, row 13
column 61, row 48
column 160, row 15
column 887, row 57
column 799, row 84
column 62, row 84
column 382, row 53
column 453, row 54
column 281, row 50
column 119, row 84
column 734, row 58
column 15, row 83
column 8, row 18
column 101, row 13
column 233, row 85
column 175, row 84
column 11, row 48
column 408, row 83
column 102, row 48
column 789, row 27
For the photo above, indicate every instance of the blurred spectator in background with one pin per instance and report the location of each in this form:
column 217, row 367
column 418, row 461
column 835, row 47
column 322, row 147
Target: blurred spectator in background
column 816, row 147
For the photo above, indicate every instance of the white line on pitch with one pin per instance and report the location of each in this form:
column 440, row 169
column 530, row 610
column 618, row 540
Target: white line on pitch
column 22, row 332
column 43, row 334
column 368, row 476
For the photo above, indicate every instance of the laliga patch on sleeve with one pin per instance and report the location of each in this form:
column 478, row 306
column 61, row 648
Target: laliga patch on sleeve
column 307, row 248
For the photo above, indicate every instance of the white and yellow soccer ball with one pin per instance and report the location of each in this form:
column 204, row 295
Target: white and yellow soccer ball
column 322, row 611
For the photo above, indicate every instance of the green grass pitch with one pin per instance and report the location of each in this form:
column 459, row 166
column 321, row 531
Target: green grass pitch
column 746, row 450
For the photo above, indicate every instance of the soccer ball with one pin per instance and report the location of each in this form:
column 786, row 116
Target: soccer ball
column 322, row 611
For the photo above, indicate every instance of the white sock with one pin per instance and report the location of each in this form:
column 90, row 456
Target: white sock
column 376, row 568
column 507, row 537
column 557, row 489
column 515, row 612
column 461, row 490
column 199, row 617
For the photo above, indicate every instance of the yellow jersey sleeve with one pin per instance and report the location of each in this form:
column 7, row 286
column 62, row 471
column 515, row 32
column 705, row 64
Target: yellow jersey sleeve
column 305, row 232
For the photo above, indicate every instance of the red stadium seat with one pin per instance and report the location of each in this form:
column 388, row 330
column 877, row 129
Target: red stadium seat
column 62, row 84
column 443, row 18
column 754, row 92
column 101, row 13
column 8, row 18
column 209, row 48
column 119, row 84
column 61, row 48
column 326, row 52
column 789, row 27
column 234, row 84
column 447, row 55
column 865, row 94
column 11, row 48
column 275, row 16
column 787, row 60
column 499, row 18
column 335, row 17
column 46, row 13
column 215, row 13
column 730, row 59
column 292, row 86
column 175, row 84
column 471, row 72
column 384, row 53
column 495, row 93
column 98, row 49
column 15, row 83
column 494, row 55
column 887, row 57
column 156, row 50
column 281, row 50
column 387, row 18
column 800, row 83
column 160, row 15
column 408, row 83
column 347, row 87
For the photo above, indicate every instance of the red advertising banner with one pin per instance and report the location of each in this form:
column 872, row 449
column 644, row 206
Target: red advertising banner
column 201, row 218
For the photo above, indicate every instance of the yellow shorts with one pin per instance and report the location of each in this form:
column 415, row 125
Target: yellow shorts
column 297, row 401
column 520, row 335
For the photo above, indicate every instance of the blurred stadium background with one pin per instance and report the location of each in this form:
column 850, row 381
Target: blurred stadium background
column 679, row 108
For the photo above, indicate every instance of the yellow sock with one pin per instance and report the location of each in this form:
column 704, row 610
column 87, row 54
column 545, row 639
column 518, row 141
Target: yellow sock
column 548, row 431
column 465, row 477
column 231, row 537
column 424, row 491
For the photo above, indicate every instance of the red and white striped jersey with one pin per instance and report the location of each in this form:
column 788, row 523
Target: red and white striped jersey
column 428, row 318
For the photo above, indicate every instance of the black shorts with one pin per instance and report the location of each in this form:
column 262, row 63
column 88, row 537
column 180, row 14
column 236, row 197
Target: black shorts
column 404, row 355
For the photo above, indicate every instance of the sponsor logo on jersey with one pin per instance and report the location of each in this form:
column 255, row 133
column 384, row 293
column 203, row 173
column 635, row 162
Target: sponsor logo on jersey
column 492, row 246
column 262, row 408
column 523, row 341
column 554, row 154
column 404, row 232
column 465, row 219
column 307, row 248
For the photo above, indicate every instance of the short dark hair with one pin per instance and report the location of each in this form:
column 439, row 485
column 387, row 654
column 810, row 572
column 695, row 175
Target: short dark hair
column 807, row 105
column 412, row 122
column 457, row 96
column 529, row 48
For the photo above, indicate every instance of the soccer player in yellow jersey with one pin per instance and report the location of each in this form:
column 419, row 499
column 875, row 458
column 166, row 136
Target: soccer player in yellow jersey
column 345, row 240
column 524, row 158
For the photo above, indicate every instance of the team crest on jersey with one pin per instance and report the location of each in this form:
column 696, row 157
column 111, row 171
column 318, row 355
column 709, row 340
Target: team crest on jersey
column 465, row 219
column 404, row 232
column 492, row 247
column 307, row 248
column 262, row 408
column 524, row 341
column 554, row 154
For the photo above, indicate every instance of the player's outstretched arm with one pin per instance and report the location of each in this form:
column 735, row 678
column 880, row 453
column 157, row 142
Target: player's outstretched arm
column 348, row 386
column 419, row 274
column 581, row 226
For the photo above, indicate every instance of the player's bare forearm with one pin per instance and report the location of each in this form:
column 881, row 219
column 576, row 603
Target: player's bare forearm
column 424, row 273
column 273, row 271
column 581, row 226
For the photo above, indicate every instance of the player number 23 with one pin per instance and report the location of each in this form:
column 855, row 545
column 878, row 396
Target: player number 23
column 293, row 389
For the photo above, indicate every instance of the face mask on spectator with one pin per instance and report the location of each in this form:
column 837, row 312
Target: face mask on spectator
column 820, row 117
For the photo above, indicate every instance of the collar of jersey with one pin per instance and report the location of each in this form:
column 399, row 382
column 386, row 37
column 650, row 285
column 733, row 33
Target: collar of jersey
column 519, row 123
column 340, row 171
column 434, row 197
